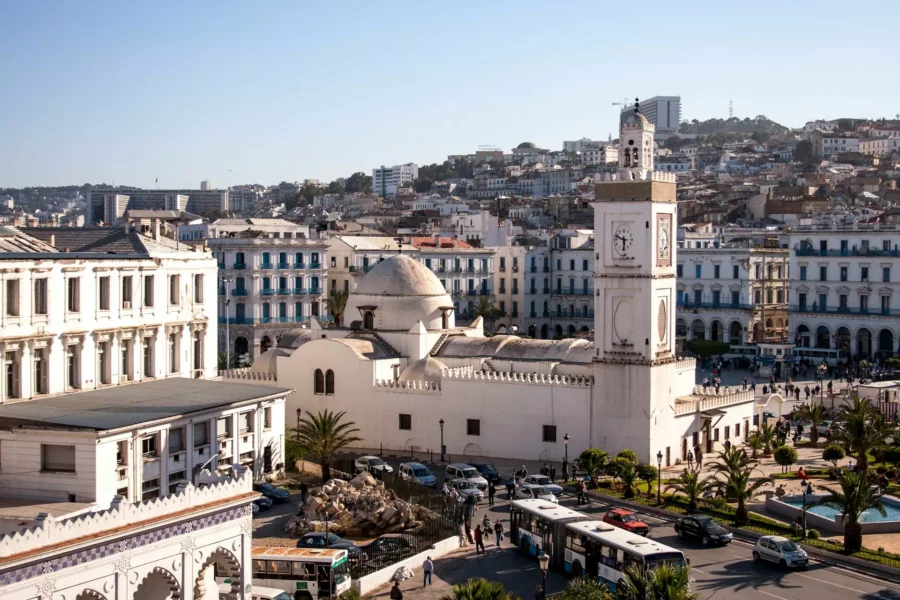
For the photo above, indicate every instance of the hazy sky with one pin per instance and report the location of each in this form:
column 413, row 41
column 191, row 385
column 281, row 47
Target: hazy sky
column 260, row 92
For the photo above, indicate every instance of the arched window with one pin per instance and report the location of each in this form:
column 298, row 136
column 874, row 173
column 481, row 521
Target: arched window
column 319, row 385
column 329, row 382
column 369, row 320
column 627, row 158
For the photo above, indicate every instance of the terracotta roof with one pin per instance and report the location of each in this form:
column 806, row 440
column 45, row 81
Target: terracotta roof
column 445, row 242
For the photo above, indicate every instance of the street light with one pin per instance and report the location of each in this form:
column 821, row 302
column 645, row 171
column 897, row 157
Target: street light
column 565, row 468
column 299, row 412
column 544, row 562
column 443, row 449
column 658, row 476
column 806, row 490
column 197, row 472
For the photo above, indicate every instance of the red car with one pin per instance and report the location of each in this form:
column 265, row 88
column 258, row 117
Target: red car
column 627, row 520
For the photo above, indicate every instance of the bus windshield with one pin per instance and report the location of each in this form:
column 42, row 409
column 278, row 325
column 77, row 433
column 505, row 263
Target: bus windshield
column 672, row 559
column 341, row 571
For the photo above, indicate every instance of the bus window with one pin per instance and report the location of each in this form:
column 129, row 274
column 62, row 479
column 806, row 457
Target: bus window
column 278, row 567
column 324, row 578
column 633, row 561
column 304, row 571
column 609, row 557
column 259, row 567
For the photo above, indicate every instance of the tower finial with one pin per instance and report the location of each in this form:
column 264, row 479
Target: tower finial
column 637, row 105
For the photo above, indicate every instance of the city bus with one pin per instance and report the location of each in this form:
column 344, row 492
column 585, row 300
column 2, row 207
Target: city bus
column 815, row 356
column 599, row 550
column 304, row 573
column 538, row 526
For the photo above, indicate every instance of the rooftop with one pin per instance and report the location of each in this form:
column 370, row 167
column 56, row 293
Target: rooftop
column 103, row 240
column 130, row 405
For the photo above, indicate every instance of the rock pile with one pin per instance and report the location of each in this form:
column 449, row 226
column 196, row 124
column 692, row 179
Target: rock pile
column 359, row 507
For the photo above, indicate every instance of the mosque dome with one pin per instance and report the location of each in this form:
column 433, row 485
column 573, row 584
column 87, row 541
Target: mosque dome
column 427, row 369
column 632, row 118
column 398, row 292
column 526, row 145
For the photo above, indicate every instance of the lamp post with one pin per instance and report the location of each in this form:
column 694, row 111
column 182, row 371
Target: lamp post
column 197, row 472
column 658, row 477
column 299, row 412
column 544, row 562
column 565, row 469
column 806, row 490
column 443, row 449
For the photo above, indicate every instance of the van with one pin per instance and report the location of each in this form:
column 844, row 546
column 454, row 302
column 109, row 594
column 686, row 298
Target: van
column 464, row 471
column 259, row 593
column 417, row 473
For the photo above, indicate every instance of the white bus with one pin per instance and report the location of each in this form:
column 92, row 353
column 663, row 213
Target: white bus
column 815, row 356
column 538, row 526
column 304, row 573
column 597, row 549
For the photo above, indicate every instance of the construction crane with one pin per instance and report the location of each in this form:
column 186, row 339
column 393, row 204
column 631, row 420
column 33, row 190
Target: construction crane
column 622, row 104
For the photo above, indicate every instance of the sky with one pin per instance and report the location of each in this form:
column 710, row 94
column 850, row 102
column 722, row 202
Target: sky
column 263, row 92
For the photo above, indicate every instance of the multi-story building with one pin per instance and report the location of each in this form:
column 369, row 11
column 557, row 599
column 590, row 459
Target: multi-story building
column 509, row 289
column 350, row 257
column 828, row 144
column 662, row 111
column 845, row 291
column 879, row 146
column 599, row 153
column 88, row 308
column 108, row 205
column 387, row 180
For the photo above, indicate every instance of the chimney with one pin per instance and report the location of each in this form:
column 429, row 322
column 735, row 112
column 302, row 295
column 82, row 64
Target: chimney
column 53, row 240
column 156, row 229
column 437, row 240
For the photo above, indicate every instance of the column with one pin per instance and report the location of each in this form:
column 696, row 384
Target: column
column 115, row 359
column 26, row 371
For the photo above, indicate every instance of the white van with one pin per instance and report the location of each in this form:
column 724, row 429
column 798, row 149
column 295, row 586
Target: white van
column 259, row 593
column 464, row 471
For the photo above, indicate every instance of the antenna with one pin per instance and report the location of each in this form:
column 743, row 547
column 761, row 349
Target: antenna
column 730, row 110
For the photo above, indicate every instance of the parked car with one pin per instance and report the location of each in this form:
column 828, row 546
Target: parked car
column 488, row 472
column 275, row 494
column 703, row 528
column 373, row 465
column 780, row 550
column 825, row 428
column 417, row 473
column 259, row 593
column 529, row 491
column 544, row 481
column 391, row 547
column 315, row 539
column 464, row 471
column 263, row 502
column 627, row 520
column 466, row 488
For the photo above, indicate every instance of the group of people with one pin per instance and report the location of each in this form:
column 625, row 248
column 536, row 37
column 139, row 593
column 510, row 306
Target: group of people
column 476, row 536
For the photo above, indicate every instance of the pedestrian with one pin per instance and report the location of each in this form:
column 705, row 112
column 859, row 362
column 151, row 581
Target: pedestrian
column 396, row 594
column 753, row 386
column 479, row 540
column 699, row 458
column 553, row 472
column 304, row 492
column 539, row 593
column 463, row 541
column 797, row 393
column 510, row 486
column 486, row 523
column 471, row 504
column 690, row 459
column 806, row 389
column 427, row 570
column 581, row 490
column 491, row 491
column 498, row 531
column 745, row 383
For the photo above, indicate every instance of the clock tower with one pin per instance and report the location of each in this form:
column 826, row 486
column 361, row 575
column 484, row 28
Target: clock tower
column 634, row 303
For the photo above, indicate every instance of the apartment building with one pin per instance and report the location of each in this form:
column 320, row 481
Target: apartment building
column 509, row 289
column 108, row 205
column 387, row 180
column 87, row 308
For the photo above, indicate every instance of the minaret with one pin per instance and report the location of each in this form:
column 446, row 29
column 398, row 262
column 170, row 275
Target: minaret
column 635, row 143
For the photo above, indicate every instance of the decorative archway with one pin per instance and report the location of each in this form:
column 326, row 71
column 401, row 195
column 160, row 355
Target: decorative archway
column 558, row 331
column 716, row 331
column 863, row 343
column 735, row 333
column 803, row 337
column 265, row 343
column 473, row 450
column 228, row 567
column 500, row 329
column 241, row 346
column 757, row 332
column 571, row 330
column 698, row 330
column 842, row 338
column 823, row 337
column 886, row 343
column 159, row 584
column 545, row 331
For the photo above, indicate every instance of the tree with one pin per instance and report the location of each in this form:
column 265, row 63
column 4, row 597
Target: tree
column 767, row 437
column 815, row 414
column 785, row 456
column 733, row 478
column 630, row 455
column 802, row 151
column 833, row 453
column 623, row 468
column 480, row 589
column 584, row 588
column 665, row 582
column 359, row 182
column 707, row 348
column 854, row 498
column 754, row 442
column 648, row 473
column 691, row 485
column 223, row 361
column 323, row 435
column 593, row 461
column 334, row 187
column 861, row 428
column 485, row 309
column 336, row 304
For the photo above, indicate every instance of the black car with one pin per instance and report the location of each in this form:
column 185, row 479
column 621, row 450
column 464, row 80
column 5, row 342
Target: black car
column 703, row 528
column 263, row 502
column 391, row 546
column 315, row 539
column 268, row 490
column 488, row 472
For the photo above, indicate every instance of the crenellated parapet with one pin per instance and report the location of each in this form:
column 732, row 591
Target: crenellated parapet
column 408, row 386
column 686, row 364
column 245, row 374
column 466, row 374
column 638, row 175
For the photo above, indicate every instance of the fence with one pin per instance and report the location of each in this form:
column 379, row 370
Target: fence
column 445, row 519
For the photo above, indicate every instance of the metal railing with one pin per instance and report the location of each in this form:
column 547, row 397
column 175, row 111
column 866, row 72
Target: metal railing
column 845, row 310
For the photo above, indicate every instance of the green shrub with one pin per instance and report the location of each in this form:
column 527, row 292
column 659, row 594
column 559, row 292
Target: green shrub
column 630, row 455
column 892, row 455
column 813, row 534
column 785, row 456
column 833, row 453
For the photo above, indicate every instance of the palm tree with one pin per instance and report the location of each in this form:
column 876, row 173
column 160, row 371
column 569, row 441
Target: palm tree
column 815, row 414
column 584, row 588
column 665, row 582
column 767, row 437
column 736, row 483
column 323, row 435
column 622, row 468
column 853, row 499
column 485, row 309
column 336, row 304
column 593, row 463
column 861, row 428
column 754, row 442
column 480, row 589
column 691, row 485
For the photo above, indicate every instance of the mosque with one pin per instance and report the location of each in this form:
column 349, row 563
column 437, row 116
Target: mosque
column 409, row 377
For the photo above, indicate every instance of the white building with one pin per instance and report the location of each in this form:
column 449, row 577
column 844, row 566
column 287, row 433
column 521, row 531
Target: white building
column 408, row 375
column 879, row 146
column 92, row 307
column 205, row 185
column 387, row 180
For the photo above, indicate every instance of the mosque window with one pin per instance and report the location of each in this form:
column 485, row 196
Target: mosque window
column 549, row 433
column 329, row 382
column 473, row 427
column 406, row 422
column 319, row 385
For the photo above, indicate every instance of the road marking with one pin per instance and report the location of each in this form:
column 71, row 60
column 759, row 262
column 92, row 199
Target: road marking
column 843, row 587
column 773, row 595
column 696, row 570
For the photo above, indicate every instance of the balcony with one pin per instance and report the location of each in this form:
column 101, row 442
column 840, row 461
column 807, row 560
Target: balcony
column 684, row 304
column 239, row 266
column 299, row 291
column 315, row 291
column 484, row 292
column 471, row 292
column 267, row 266
column 546, row 269
column 284, row 265
column 239, row 292
column 570, row 291
column 534, row 269
column 874, row 252
column 503, row 269
column 221, row 291
column 303, row 266
column 236, row 321
column 284, row 291
column 573, row 314
column 514, row 314
column 844, row 310
column 268, row 292
column 315, row 265
column 532, row 315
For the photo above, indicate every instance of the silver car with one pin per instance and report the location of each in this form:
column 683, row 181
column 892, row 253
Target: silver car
column 780, row 550
column 466, row 488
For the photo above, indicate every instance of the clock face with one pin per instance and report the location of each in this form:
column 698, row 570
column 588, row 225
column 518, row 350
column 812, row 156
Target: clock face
column 662, row 320
column 622, row 240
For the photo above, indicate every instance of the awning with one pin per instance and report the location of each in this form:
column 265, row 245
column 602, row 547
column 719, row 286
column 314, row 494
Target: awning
column 709, row 414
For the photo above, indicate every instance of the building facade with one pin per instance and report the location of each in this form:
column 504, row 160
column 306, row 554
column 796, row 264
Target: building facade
column 387, row 180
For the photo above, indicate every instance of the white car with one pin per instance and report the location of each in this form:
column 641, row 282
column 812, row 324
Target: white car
column 464, row 471
column 530, row 491
column 466, row 488
column 780, row 550
column 544, row 481
column 372, row 464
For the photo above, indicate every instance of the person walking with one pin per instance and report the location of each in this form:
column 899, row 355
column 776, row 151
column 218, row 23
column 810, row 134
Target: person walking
column 699, row 458
column 396, row 594
column 745, row 383
column 479, row 541
column 427, row 570
column 510, row 487
column 498, row 531
column 553, row 472
column 304, row 492
column 491, row 491
column 690, row 460
column 486, row 524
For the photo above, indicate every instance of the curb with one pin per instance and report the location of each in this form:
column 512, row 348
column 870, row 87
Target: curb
column 850, row 563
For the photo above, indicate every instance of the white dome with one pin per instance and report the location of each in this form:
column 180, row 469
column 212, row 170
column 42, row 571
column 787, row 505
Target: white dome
column 427, row 369
column 400, row 276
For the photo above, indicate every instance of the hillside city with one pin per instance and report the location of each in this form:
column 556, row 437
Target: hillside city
column 656, row 361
